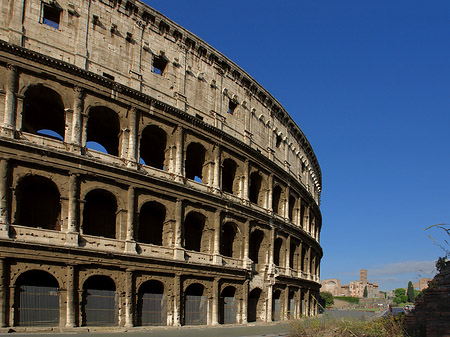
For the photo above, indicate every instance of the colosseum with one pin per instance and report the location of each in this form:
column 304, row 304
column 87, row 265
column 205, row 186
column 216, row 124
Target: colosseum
column 145, row 178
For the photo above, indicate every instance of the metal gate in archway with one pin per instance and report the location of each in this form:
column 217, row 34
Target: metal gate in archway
column 228, row 310
column 195, row 310
column 153, row 309
column 101, row 307
column 291, row 308
column 276, row 309
column 38, row 306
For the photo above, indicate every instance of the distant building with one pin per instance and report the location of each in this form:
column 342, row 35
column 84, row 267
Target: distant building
column 354, row 288
column 422, row 284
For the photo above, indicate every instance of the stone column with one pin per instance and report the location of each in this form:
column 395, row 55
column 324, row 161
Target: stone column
column 286, row 204
column 78, row 107
column 177, row 300
column 246, row 259
column 4, row 198
column 215, row 302
column 2, row 294
column 70, row 310
column 130, row 244
column 308, row 267
column 179, row 154
column 132, row 137
column 245, row 179
column 84, row 128
column 288, row 254
column 269, row 305
column 217, row 160
column 270, row 194
column 73, row 203
column 244, row 307
column 286, row 305
column 272, row 247
column 129, row 317
column 178, row 250
column 300, row 258
column 9, row 117
column 217, row 230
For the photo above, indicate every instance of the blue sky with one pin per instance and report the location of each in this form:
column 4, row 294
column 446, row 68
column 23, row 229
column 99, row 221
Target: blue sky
column 368, row 82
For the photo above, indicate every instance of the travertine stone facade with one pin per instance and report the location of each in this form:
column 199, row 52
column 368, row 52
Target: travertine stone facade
column 145, row 179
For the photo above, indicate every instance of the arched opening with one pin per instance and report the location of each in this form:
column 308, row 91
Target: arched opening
column 43, row 112
column 99, row 303
column 228, row 246
column 292, row 201
column 254, row 187
column 103, row 129
column 228, row 306
column 195, row 159
column 151, row 223
column 302, row 215
column 193, row 231
column 152, row 304
column 195, row 305
column 291, row 305
column 293, row 255
column 253, row 305
column 99, row 215
column 153, row 147
column 276, row 196
column 256, row 239
column 37, row 298
column 278, row 256
column 38, row 203
column 276, row 305
column 228, row 174
column 304, row 260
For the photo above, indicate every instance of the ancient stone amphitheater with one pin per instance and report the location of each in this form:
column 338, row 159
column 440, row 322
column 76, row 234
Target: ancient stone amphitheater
column 145, row 178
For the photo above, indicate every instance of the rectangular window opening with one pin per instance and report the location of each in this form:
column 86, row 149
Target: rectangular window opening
column 108, row 76
column 231, row 107
column 159, row 64
column 51, row 15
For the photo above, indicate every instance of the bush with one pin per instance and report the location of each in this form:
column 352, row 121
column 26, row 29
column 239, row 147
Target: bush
column 349, row 299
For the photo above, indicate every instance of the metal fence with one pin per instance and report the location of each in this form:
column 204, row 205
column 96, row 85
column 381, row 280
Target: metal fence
column 152, row 309
column 38, row 306
column 195, row 310
column 228, row 310
column 100, row 308
column 276, row 309
column 291, row 308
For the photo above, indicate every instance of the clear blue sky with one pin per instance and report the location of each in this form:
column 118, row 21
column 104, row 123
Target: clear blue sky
column 368, row 82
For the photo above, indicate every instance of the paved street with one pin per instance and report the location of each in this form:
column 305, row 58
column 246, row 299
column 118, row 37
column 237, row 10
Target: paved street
column 257, row 330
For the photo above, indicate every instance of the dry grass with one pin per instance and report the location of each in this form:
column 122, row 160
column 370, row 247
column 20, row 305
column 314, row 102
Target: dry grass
column 328, row 327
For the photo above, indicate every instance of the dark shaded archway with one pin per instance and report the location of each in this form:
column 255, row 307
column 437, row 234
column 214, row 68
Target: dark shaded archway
column 256, row 239
column 153, row 147
column 151, row 223
column 195, row 305
column 195, row 159
column 227, row 306
column 43, row 112
column 99, row 215
column 37, row 299
column 151, row 304
column 229, row 167
column 278, row 257
column 253, row 305
column 194, row 224
column 228, row 240
column 276, row 196
column 254, row 187
column 99, row 305
column 104, row 129
column 38, row 203
column 276, row 305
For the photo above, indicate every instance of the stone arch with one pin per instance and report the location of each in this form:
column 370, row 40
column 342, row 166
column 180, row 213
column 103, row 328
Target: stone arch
column 254, row 194
column 256, row 251
column 278, row 252
column 103, row 129
column 276, row 305
column 195, row 162
column 292, row 208
column 153, row 146
column 254, row 306
column 194, row 225
column 277, row 204
column 152, row 218
column 38, row 203
column 43, row 112
column 195, row 305
column 99, row 214
column 99, row 304
column 230, row 245
column 228, row 305
column 151, row 303
column 229, row 168
column 37, row 299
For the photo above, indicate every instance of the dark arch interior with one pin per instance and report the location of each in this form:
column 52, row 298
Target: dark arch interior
column 37, row 278
column 291, row 208
column 276, row 195
column 253, row 299
column 153, row 147
column 195, row 158
column 39, row 203
column 99, row 282
column 256, row 239
column 99, row 215
column 228, row 291
column 151, row 223
column 195, row 289
column 193, row 231
column 254, row 187
column 103, row 128
column 43, row 112
column 228, row 175
column 228, row 238
column 277, row 251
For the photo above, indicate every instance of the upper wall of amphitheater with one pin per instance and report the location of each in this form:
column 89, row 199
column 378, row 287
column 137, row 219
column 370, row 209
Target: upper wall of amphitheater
column 130, row 43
